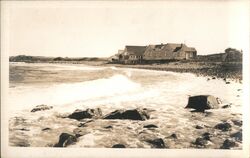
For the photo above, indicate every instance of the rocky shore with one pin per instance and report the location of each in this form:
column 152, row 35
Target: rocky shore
column 131, row 128
column 224, row 70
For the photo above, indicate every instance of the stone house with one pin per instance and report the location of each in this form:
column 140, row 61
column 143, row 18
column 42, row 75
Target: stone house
column 155, row 53
column 170, row 51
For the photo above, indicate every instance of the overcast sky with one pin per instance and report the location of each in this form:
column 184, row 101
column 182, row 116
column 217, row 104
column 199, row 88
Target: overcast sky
column 81, row 28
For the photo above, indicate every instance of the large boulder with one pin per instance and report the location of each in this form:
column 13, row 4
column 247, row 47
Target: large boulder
column 224, row 126
column 201, row 142
column 134, row 114
column 228, row 144
column 88, row 113
column 202, row 102
column 237, row 136
column 41, row 108
column 65, row 139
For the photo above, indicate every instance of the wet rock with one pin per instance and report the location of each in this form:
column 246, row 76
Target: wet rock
column 118, row 146
column 199, row 127
column 150, row 126
column 237, row 136
column 108, row 127
column 46, row 129
column 24, row 129
column 206, row 136
column 135, row 114
column 157, row 143
column 201, row 142
column 173, row 136
column 213, row 78
column 227, row 82
column 202, row 102
column 226, row 106
column 237, row 122
column 88, row 113
column 228, row 144
column 225, row 126
column 41, row 108
column 65, row 139
column 84, row 124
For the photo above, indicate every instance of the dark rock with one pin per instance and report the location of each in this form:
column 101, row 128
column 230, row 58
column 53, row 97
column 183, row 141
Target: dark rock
column 24, row 129
column 41, row 108
column 89, row 113
column 157, row 143
column 228, row 144
column 206, row 136
column 225, row 126
column 150, row 126
column 174, row 136
column 237, row 122
column 65, row 139
column 84, row 124
column 213, row 78
column 226, row 106
column 198, row 127
column 107, row 127
column 118, row 146
column 46, row 129
column 200, row 142
column 202, row 102
column 135, row 114
column 237, row 136
column 227, row 82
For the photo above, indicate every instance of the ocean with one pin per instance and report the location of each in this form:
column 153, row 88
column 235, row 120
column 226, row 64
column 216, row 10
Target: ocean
column 68, row 87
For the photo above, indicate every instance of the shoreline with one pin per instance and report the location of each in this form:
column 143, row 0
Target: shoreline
column 212, row 70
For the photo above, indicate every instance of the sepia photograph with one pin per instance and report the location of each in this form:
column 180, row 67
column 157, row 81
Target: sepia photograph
column 125, row 78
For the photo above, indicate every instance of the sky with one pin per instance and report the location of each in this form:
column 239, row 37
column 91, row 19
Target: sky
column 83, row 28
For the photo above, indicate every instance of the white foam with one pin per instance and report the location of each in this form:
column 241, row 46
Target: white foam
column 70, row 93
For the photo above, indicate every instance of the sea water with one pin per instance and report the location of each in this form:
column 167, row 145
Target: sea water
column 72, row 85
column 68, row 87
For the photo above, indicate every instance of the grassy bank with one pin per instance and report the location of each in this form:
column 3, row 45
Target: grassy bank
column 225, row 70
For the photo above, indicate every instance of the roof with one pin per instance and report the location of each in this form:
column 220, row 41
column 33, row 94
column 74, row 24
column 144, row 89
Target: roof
column 183, row 47
column 137, row 50
column 159, row 46
column 173, row 46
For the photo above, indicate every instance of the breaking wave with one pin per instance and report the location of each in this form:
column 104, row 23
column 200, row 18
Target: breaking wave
column 73, row 92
